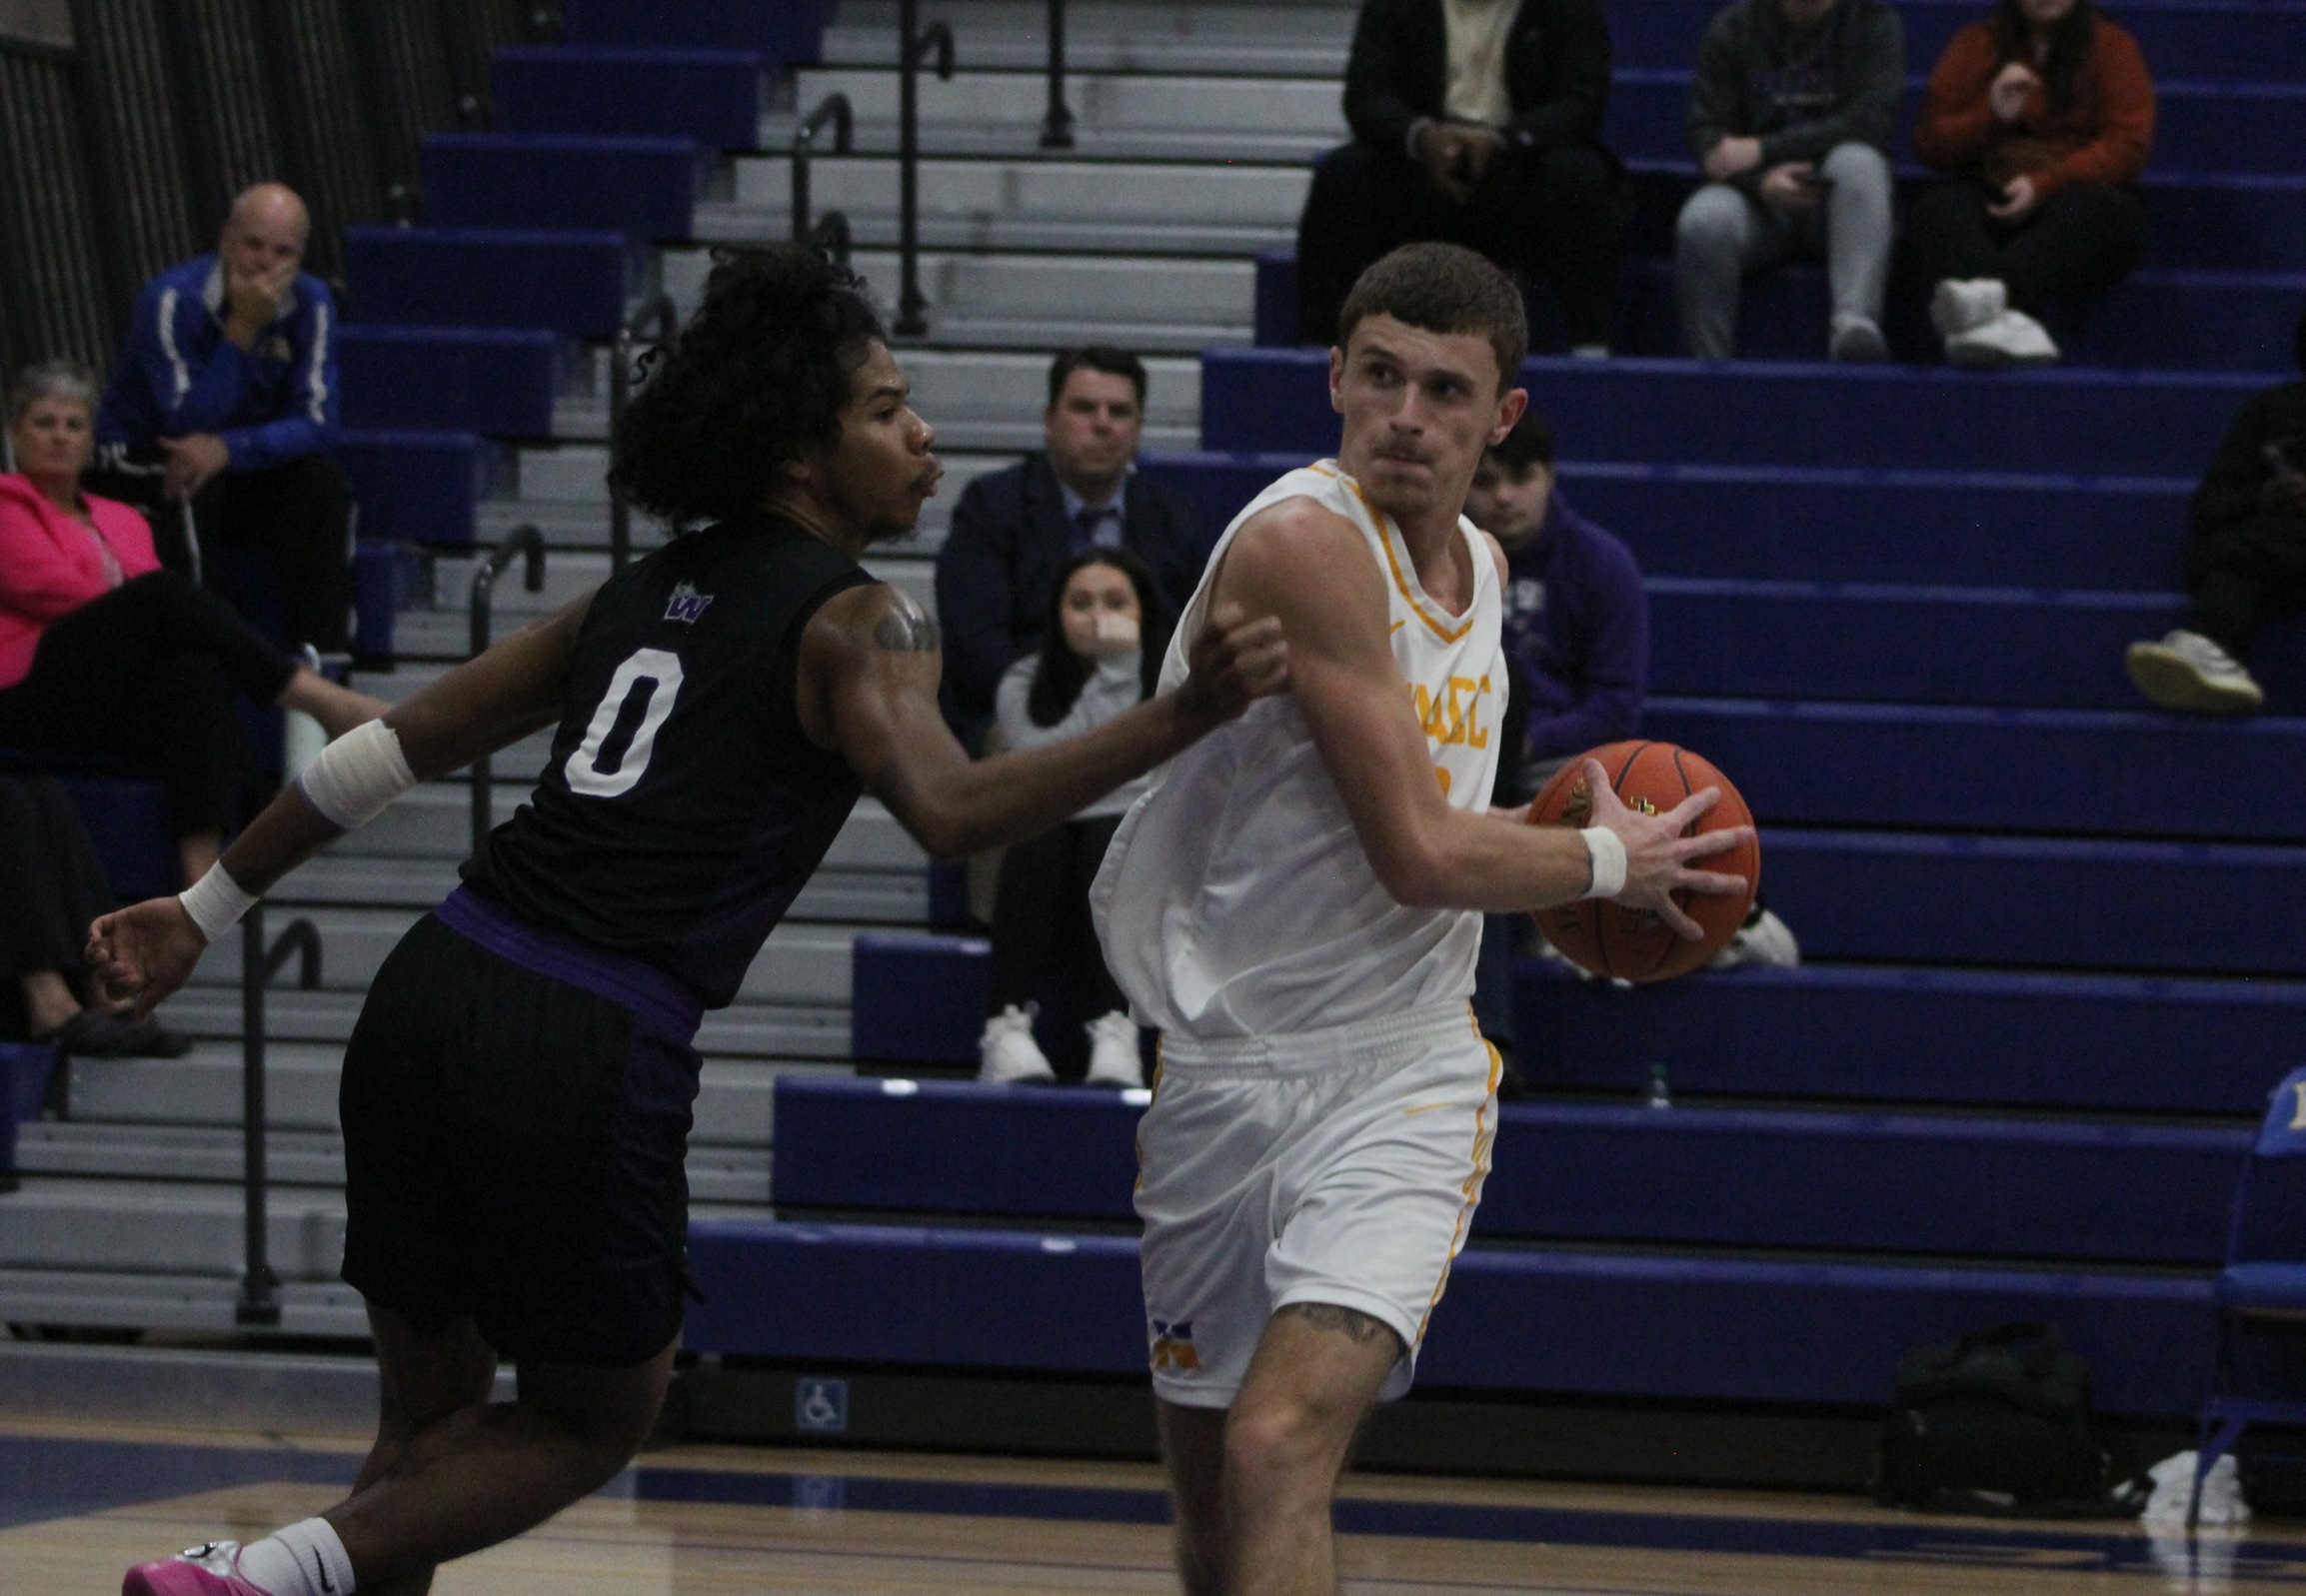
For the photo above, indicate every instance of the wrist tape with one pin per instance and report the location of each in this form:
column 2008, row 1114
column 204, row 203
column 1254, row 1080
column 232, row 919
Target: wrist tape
column 1607, row 854
column 215, row 902
column 357, row 775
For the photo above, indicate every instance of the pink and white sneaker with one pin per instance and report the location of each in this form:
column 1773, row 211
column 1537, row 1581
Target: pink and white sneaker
column 210, row 1570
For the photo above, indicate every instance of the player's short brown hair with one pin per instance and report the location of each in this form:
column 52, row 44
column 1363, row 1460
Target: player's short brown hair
column 1444, row 288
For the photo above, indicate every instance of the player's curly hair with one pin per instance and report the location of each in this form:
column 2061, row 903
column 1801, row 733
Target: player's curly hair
column 759, row 377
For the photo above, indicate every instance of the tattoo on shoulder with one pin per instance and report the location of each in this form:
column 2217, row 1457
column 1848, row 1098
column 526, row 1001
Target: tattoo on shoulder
column 906, row 631
column 1344, row 1321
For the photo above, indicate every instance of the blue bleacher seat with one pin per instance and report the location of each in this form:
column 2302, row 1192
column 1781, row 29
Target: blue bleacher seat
column 643, row 186
column 710, row 96
column 2261, row 1292
column 1586, row 1173
column 1653, row 1326
column 916, row 998
column 2104, row 1043
column 2141, row 772
column 783, row 32
column 1788, row 414
column 572, row 283
column 495, row 380
column 2040, row 903
column 417, row 487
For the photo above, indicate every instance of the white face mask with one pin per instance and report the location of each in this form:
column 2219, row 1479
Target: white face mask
column 1117, row 633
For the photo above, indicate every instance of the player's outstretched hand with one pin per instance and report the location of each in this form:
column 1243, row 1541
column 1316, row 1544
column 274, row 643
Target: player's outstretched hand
column 1658, row 857
column 1234, row 661
column 144, row 953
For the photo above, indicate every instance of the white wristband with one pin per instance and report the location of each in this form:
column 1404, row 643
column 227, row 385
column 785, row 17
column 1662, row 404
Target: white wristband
column 1607, row 854
column 357, row 775
column 215, row 902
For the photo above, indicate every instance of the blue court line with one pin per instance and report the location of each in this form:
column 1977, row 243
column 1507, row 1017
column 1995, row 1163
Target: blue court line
column 43, row 1477
column 1984, row 1544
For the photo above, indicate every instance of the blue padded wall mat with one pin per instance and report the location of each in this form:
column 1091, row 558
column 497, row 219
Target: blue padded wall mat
column 495, row 380
column 711, row 96
column 645, row 188
column 571, row 283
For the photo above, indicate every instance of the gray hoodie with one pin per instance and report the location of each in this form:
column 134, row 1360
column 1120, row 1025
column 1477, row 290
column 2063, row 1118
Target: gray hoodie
column 1801, row 91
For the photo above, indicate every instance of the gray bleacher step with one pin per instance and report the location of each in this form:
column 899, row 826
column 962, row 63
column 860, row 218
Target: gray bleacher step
column 94, row 1298
column 752, row 1030
column 569, row 575
column 583, row 522
column 1122, row 116
column 162, row 1228
column 1044, row 205
column 189, row 1153
column 1274, row 40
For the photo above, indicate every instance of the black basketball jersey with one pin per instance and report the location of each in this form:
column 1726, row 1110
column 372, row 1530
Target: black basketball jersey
column 684, row 807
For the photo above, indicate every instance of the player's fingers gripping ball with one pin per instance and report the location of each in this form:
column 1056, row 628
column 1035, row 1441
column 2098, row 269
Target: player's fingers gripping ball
column 1617, row 940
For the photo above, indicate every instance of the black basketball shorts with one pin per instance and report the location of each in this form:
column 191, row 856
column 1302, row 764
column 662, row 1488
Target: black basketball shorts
column 513, row 1153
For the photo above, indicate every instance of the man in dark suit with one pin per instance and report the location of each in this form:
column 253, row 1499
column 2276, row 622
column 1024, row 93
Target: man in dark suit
column 1015, row 529
column 1475, row 121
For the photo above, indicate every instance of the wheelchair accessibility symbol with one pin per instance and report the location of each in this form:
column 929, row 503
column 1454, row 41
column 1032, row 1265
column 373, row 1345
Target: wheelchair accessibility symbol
column 820, row 1407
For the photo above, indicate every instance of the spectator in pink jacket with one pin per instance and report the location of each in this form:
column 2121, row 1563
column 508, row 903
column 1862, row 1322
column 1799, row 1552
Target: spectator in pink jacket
column 103, row 652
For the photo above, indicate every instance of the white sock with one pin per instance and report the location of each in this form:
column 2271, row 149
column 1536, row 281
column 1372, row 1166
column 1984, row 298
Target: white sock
column 304, row 1559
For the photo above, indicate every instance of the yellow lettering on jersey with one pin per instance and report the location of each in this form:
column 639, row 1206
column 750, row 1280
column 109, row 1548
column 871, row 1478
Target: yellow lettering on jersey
column 1452, row 716
column 1443, row 773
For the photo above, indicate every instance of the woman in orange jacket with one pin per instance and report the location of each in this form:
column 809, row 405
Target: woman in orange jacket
column 2044, row 114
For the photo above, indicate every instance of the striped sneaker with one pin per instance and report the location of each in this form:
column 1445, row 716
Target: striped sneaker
column 210, row 1570
column 2186, row 671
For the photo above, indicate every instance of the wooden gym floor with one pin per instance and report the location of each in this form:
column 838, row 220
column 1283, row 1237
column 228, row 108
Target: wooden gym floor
column 79, row 1503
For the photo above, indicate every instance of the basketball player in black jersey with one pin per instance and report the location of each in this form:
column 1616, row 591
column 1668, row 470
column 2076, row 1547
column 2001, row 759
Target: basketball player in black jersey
column 516, row 1096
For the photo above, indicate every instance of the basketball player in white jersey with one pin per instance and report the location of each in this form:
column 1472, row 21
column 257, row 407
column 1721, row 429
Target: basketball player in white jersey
column 1296, row 906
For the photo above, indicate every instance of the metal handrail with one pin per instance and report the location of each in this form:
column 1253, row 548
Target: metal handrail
column 258, row 1285
column 830, row 237
column 526, row 541
column 658, row 309
column 1056, row 122
column 913, row 42
column 834, row 108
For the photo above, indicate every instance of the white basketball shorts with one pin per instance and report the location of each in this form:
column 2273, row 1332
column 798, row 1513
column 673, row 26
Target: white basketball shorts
column 1339, row 1166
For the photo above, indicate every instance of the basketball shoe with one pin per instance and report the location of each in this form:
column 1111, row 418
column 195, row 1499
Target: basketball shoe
column 210, row 1570
column 1113, row 1059
column 2186, row 671
column 1006, row 1052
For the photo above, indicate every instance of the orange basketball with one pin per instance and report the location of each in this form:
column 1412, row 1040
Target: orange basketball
column 1634, row 944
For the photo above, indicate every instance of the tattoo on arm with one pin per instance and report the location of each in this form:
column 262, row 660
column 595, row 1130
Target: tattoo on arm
column 906, row 631
column 1344, row 1321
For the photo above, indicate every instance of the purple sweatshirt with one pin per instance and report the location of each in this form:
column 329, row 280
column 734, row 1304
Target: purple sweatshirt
column 1578, row 625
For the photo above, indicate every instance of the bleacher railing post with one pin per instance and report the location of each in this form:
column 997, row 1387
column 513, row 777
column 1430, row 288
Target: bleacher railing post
column 834, row 108
column 914, row 41
column 1057, row 123
column 259, row 1302
column 524, row 540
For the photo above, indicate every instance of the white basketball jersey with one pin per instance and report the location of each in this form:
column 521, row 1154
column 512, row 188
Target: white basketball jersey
column 1236, row 899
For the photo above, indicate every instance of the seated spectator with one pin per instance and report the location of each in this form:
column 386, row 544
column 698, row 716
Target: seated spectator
column 226, row 396
column 1577, row 637
column 1014, row 530
column 2044, row 113
column 2245, row 560
column 1106, row 637
column 1475, row 121
column 1790, row 118
column 56, row 887
column 102, row 651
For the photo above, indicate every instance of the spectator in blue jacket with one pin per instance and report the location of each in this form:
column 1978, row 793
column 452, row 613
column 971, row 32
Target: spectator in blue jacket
column 1576, row 658
column 226, row 398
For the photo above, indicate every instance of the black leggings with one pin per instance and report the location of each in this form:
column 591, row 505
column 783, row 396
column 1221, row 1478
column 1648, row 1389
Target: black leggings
column 1554, row 211
column 2242, row 572
column 148, row 671
column 2082, row 241
column 1041, row 933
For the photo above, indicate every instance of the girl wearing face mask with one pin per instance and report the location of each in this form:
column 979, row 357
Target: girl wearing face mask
column 1102, row 655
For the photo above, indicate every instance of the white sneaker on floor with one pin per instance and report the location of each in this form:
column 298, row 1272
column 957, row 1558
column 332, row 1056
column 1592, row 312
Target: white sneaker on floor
column 1762, row 939
column 2186, row 671
column 1588, row 351
column 2012, row 338
column 1958, row 307
column 1856, row 339
column 1113, row 1059
column 1006, row 1052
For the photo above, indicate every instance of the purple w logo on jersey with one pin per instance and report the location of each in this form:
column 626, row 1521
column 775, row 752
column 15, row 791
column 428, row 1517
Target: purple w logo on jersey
column 688, row 605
